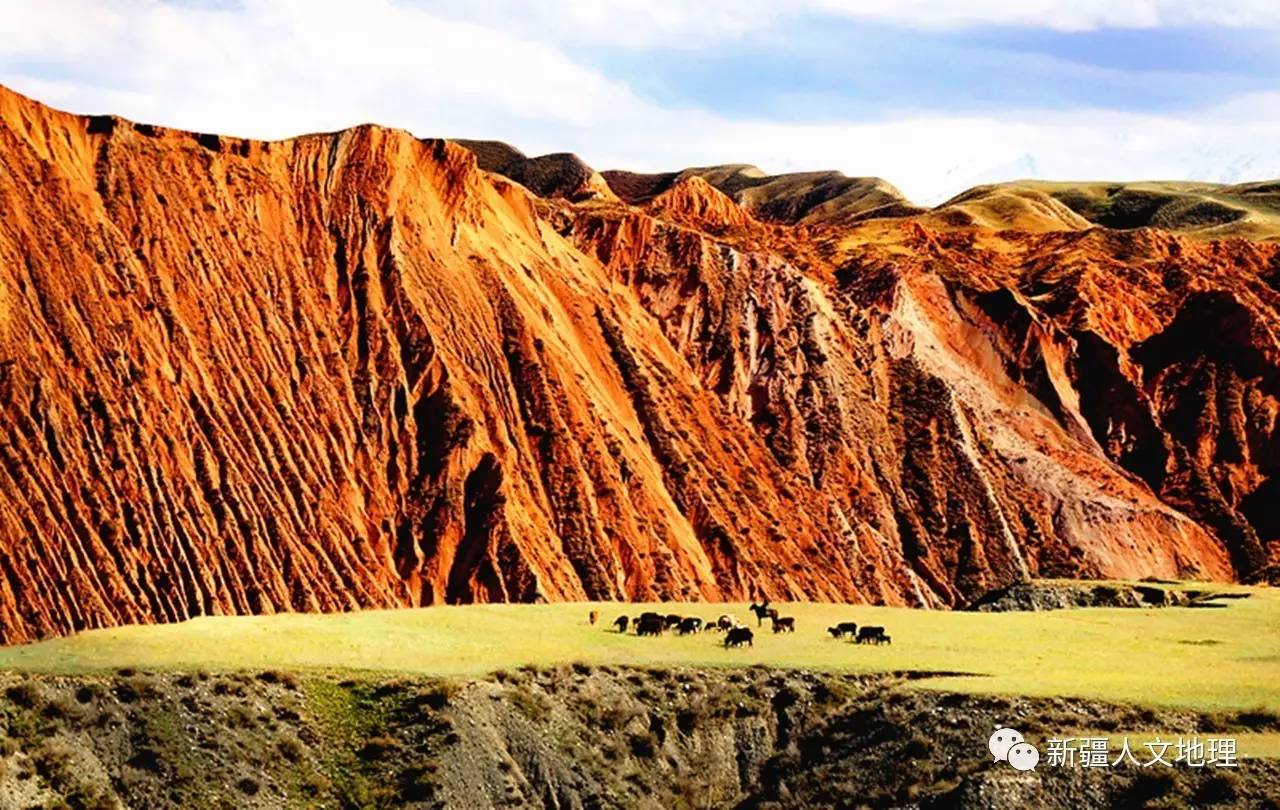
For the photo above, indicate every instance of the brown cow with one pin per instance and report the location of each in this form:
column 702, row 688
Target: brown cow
column 784, row 624
column 593, row 617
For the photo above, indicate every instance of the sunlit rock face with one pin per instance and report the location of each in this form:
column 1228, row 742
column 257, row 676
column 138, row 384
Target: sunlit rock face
column 357, row 370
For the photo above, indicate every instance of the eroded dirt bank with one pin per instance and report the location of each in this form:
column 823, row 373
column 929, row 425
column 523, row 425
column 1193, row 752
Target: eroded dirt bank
column 357, row 370
column 574, row 737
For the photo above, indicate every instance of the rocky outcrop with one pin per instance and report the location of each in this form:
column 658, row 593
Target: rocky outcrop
column 890, row 384
column 1160, row 351
column 1038, row 595
column 579, row 737
column 356, row 370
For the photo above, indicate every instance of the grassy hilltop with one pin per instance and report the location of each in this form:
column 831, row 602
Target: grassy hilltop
column 1203, row 658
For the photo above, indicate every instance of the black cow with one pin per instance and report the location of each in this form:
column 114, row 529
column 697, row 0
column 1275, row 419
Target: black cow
column 621, row 623
column 739, row 636
column 673, row 620
column 843, row 629
column 784, row 624
column 692, row 624
column 650, row 626
column 725, row 623
column 648, row 615
column 870, row 635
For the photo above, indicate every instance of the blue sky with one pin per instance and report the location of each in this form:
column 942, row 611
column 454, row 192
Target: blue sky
column 819, row 69
column 933, row 95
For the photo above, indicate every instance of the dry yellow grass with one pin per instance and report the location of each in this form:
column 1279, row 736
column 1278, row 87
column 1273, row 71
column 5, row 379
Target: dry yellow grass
column 1207, row 659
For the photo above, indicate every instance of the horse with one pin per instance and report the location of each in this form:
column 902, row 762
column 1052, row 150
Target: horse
column 762, row 611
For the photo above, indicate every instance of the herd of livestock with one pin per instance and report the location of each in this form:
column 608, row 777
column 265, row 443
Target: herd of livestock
column 737, row 634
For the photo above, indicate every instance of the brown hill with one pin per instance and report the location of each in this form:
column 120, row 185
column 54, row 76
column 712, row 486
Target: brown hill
column 829, row 198
column 354, row 369
column 1204, row 210
column 562, row 175
column 805, row 198
column 695, row 202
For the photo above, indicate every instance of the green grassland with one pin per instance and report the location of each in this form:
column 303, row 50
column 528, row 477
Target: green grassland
column 1208, row 659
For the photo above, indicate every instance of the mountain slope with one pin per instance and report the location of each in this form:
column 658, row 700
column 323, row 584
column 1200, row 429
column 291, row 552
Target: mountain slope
column 357, row 369
column 558, row 175
column 1206, row 210
column 344, row 370
column 804, row 198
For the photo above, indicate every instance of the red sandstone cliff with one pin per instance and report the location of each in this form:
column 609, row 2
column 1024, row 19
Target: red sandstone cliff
column 354, row 369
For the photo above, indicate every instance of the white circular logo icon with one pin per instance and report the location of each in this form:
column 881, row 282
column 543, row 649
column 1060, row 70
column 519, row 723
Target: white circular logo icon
column 1023, row 756
column 1001, row 741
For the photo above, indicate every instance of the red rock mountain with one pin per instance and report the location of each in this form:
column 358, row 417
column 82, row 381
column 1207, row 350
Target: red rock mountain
column 358, row 370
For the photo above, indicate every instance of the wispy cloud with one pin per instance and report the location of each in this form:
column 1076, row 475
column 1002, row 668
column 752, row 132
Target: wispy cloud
column 698, row 23
column 548, row 76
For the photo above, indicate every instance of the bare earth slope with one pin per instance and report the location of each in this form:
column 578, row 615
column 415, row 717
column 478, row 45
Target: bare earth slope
column 355, row 369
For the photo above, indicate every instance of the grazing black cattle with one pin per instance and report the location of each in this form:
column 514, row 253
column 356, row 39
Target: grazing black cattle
column 621, row 623
column 650, row 626
column 885, row 640
column 650, row 616
column 709, row 627
column 843, row 629
column 724, row 623
column 870, row 635
column 673, row 620
column 739, row 636
column 691, row 624
column 784, row 624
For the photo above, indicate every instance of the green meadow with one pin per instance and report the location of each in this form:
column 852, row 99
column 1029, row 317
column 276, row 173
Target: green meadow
column 1209, row 659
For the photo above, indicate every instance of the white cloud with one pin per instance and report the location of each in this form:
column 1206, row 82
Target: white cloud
column 692, row 24
column 269, row 68
column 932, row 157
column 273, row 69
